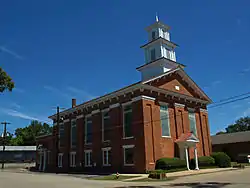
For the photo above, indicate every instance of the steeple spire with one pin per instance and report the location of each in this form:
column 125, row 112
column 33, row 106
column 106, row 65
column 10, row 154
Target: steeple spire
column 156, row 17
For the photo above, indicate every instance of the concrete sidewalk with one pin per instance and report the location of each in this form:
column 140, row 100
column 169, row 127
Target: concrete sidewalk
column 181, row 173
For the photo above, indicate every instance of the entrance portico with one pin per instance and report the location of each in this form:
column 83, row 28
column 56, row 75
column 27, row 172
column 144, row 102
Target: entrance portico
column 186, row 141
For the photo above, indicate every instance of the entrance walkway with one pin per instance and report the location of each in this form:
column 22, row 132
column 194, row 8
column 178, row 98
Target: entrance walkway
column 182, row 173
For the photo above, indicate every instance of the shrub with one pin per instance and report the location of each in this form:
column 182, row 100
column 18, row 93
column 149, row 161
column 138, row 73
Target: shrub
column 170, row 163
column 222, row 160
column 204, row 161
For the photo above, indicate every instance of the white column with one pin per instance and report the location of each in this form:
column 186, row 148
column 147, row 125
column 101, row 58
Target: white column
column 187, row 159
column 40, row 163
column 196, row 159
column 44, row 160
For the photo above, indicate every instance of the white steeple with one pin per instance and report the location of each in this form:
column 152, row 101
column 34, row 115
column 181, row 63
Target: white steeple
column 156, row 18
column 159, row 51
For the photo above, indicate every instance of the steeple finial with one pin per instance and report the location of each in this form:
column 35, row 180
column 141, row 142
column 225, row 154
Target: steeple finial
column 156, row 17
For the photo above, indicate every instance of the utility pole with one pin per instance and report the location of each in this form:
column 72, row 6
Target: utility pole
column 4, row 140
column 56, row 136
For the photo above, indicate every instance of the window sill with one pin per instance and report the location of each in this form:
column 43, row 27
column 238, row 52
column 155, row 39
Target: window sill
column 86, row 144
column 59, row 166
column 125, row 138
column 106, row 165
column 166, row 136
column 105, row 141
column 88, row 166
column 128, row 164
column 73, row 166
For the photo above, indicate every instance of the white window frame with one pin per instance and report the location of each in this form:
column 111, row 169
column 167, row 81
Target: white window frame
column 73, row 159
column 103, row 124
column 168, row 118
column 105, row 152
column 85, row 128
column 60, row 160
column 87, row 160
column 59, row 135
column 72, row 132
column 124, row 157
column 192, row 112
column 124, row 105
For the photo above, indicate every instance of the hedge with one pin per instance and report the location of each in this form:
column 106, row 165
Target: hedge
column 222, row 160
column 170, row 163
column 203, row 161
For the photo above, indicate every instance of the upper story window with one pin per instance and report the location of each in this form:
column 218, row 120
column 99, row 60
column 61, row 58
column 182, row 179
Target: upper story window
column 153, row 35
column 192, row 122
column 127, row 121
column 73, row 133
column 88, row 130
column 61, row 135
column 152, row 54
column 105, row 126
column 165, row 125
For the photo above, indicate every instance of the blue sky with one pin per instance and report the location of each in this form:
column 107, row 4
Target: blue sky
column 56, row 50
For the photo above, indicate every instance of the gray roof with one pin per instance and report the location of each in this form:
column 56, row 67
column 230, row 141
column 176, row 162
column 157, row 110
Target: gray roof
column 231, row 138
column 18, row 148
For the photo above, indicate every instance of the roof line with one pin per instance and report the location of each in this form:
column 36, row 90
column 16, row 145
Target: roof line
column 160, row 38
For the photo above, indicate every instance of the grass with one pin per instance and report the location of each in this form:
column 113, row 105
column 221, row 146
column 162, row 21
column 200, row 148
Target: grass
column 154, row 180
column 112, row 177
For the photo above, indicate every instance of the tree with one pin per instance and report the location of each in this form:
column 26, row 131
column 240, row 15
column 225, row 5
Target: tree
column 27, row 136
column 6, row 82
column 220, row 132
column 242, row 124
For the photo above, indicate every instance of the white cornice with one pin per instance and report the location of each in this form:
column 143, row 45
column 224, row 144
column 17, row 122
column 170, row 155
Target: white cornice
column 79, row 116
column 127, row 103
column 143, row 97
column 179, row 105
column 95, row 111
column 203, row 110
column 66, row 120
column 105, row 110
column 163, row 103
column 114, row 105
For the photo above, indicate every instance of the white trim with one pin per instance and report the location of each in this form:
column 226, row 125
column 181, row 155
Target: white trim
column 79, row 116
column 103, row 118
column 88, row 115
column 105, row 110
column 124, row 148
column 123, row 117
column 72, row 120
column 72, row 160
column 128, row 146
column 114, row 105
column 66, row 121
column 179, row 105
column 126, row 138
column 162, row 75
column 203, row 110
column 143, row 97
column 127, row 103
column 105, row 152
column 168, row 119
column 95, row 111
column 85, row 129
column 89, row 159
column 60, row 162
column 191, row 110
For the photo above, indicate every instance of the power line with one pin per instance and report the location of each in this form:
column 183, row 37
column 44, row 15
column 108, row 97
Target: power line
column 233, row 97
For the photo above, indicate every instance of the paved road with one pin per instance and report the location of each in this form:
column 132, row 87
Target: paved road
column 229, row 179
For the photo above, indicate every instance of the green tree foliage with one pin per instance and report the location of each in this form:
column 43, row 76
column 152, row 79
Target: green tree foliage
column 242, row 124
column 27, row 136
column 6, row 82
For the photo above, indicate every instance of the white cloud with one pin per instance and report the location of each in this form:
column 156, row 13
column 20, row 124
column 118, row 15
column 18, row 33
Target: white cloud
column 10, row 52
column 15, row 105
column 246, row 112
column 244, row 71
column 57, row 91
column 80, row 92
column 216, row 82
column 15, row 113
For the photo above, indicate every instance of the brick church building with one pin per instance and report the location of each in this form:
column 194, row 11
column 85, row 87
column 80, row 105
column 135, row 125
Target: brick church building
column 128, row 130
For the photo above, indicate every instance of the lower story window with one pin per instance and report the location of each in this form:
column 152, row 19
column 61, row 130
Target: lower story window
column 128, row 155
column 73, row 159
column 88, row 158
column 106, row 155
column 60, row 160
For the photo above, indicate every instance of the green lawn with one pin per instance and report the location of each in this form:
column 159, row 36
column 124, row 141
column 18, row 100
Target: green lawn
column 155, row 180
column 112, row 177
